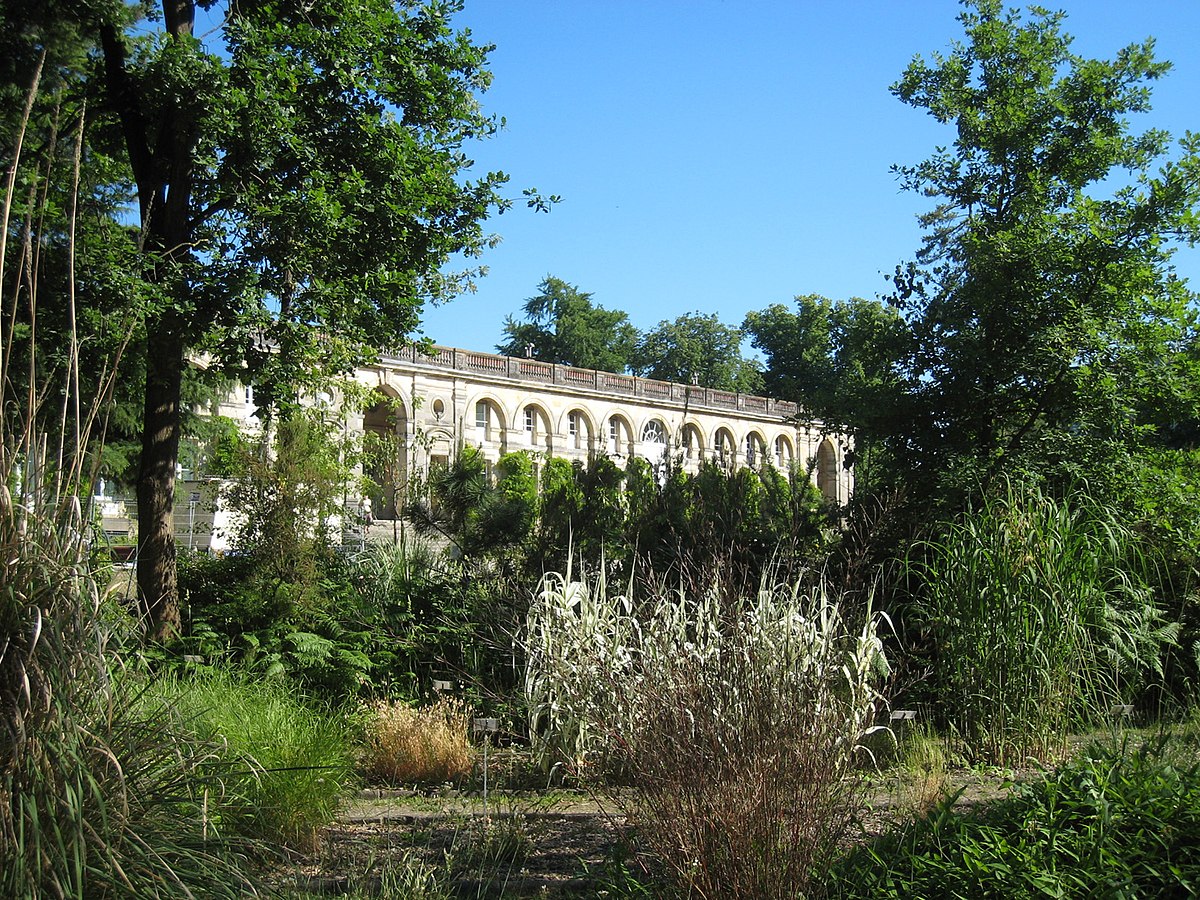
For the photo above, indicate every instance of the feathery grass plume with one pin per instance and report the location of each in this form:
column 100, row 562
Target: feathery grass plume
column 735, row 723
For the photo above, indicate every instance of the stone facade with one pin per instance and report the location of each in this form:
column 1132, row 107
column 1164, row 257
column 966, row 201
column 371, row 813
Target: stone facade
column 431, row 402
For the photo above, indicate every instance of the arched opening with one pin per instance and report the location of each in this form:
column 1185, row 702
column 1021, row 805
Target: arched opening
column 723, row 448
column 579, row 430
column 620, row 436
column 385, row 453
column 489, row 424
column 783, row 453
column 756, row 450
column 654, row 442
column 537, row 427
column 827, row 473
column 693, row 443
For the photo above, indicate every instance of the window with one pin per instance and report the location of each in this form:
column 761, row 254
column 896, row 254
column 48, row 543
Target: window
column 575, row 429
column 654, row 433
column 482, row 416
column 616, row 435
column 535, row 426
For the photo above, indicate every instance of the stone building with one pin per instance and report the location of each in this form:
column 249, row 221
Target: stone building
column 432, row 403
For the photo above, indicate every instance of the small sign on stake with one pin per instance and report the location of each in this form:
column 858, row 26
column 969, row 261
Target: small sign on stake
column 442, row 686
column 486, row 726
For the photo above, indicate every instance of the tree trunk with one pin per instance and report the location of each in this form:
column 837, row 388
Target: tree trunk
column 157, row 591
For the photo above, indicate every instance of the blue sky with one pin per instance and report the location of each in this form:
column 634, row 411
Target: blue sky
column 723, row 156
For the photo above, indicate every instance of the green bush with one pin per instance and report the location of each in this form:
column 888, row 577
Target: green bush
column 1117, row 822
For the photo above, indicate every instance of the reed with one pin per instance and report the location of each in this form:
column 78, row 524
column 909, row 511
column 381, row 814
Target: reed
column 96, row 800
column 1041, row 619
column 735, row 724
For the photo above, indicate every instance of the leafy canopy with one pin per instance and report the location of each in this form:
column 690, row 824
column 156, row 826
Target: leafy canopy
column 562, row 325
column 700, row 347
column 1044, row 309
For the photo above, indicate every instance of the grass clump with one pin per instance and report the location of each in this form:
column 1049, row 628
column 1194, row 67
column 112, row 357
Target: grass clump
column 410, row 744
column 734, row 723
column 293, row 761
column 1116, row 822
column 1041, row 621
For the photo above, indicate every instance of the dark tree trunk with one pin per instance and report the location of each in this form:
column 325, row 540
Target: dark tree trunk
column 157, row 590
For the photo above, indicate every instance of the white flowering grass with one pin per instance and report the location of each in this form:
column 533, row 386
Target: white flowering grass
column 736, row 722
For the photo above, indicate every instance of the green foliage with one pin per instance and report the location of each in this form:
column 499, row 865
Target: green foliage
column 294, row 762
column 697, row 348
column 288, row 491
column 262, row 166
column 464, row 507
column 563, row 326
column 1047, row 322
column 97, row 798
column 1117, row 822
column 841, row 361
column 1040, row 620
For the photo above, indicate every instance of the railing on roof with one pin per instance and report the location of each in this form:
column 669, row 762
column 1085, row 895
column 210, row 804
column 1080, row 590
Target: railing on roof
column 525, row 369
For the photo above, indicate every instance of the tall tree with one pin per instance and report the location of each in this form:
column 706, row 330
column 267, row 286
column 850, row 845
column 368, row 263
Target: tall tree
column 700, row 347
column 300, row 181
column 838, row 359
column 1043, row 301
column 562, row 325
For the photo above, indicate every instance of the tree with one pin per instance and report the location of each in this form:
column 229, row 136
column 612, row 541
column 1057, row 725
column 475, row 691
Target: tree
column 697, row 347
column 562, row 325
column 300, row 181
column 1043, row 302
column 841, row 362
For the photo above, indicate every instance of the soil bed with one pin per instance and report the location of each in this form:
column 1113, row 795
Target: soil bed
column 552, row 844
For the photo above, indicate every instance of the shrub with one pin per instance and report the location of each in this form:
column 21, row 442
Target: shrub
column 735, row 724
column 407, row 744
column 1040, row 620
column 97, row 797
column 1114, row 823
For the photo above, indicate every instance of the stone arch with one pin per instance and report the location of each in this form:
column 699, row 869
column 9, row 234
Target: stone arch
column 490, row 422
column 535, row 424
column 439, row 446
column 619, row 437
column 785, row 453
column 579, row 428
column 754, row 448
column 827, row 470
column 724, row 447
column 385, row 438
column 692, row 439
column 655, row 441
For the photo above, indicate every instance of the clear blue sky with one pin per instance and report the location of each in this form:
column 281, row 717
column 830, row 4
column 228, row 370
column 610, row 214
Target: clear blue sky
column 723, row 156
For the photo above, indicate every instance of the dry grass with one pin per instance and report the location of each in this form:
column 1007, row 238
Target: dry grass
column 407, row 744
